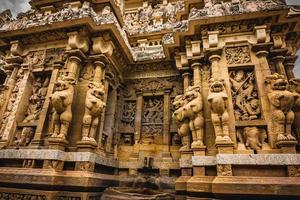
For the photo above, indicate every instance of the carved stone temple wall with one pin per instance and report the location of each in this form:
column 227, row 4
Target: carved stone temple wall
column 190, row 98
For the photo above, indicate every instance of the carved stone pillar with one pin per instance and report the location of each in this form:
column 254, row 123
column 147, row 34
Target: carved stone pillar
column 279, row 65
column 289, row 66
column 110, row 117
column 196, row 73
column 166, row 126
column 138, row 117
column 186, row 80
column 99, row 71
column 263, row 62
column 215, row 69
column 73, row 65
column 37, row 140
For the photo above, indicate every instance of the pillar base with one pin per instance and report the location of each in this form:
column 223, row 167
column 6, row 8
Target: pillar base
column 86, row 146
column 287, row 146
column 57, row 143
column 199, row 151
column 225, row 147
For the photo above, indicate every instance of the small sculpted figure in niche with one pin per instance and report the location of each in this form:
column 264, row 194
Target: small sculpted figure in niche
column 252, row 137
column 218, row 100
column 281, row 104
column 94, row 106
column 25, row 137
column 62, row 100
column 193, row 110
column 181, row 121
column 244, row 94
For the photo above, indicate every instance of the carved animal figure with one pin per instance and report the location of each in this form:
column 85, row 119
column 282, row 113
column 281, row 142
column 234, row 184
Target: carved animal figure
column 281, row 104
column 94, row 106
column 193, row 111
column 253, row 137
column 62, row 100
column 217, row 99
column 181, row 121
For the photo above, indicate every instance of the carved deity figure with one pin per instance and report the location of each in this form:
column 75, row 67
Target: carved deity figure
column 245, row 97
column 193, row 110
column 181, row 121
column 218, row 100
column 94, row 106
column 253, row 137
column 62, row 100
column 281, row 104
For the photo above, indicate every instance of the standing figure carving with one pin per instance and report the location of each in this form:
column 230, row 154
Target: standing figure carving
column 62, row 100
column 281, row 104
column 193, row 110
column 218, row 100
column 181, row 121
column 94, row 106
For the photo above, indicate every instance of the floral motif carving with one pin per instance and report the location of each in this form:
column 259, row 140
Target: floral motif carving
column 237, row 55
column 293, row 171
column 245, row 95
column 13, row 196
column 224, row 170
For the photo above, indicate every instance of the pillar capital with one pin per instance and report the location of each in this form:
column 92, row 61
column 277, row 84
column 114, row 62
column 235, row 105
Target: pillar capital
column 195, row 65
column 278, row 58
column 213, row 58
column 262, row 53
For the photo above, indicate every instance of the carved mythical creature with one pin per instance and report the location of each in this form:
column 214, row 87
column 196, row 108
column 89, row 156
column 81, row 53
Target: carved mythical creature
column 62, row 100
column 94, row 106
column 181, row 121
column 193, row 111
column 217, row 99
column 252, row 137
column 281, row 104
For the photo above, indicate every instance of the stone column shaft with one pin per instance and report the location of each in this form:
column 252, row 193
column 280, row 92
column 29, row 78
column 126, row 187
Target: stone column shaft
column 263, row 62
column 138, row 117
column 99, row 71
column 196, row 73
column 279, row 65
column 186, row 80
column 73, row 65
column 106, row 88
column 166, row 126
column 215, row 68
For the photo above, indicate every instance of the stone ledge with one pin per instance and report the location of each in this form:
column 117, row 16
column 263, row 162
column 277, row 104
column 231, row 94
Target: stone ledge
column 45, row 154
column 246, row 159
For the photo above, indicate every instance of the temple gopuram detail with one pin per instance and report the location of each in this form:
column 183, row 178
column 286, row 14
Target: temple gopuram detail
column 165, row 99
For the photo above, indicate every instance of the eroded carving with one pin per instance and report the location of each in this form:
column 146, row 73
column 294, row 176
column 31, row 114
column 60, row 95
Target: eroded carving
column 24, row 138
column 237, row 55
column 224, row 170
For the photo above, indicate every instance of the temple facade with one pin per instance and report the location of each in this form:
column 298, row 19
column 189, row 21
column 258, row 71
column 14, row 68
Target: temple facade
column 189, row 98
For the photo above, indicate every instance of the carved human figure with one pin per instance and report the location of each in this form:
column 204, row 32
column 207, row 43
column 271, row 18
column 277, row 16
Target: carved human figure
column 193, row 110
column 62, row 100
column 281, row 104
column 252, row 107
column 94, row 106
column 181, row 121
column 25, row 137
column 253, row 137
column 218, row 101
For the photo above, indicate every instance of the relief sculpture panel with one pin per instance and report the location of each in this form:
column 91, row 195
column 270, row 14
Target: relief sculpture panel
column 245, row 95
